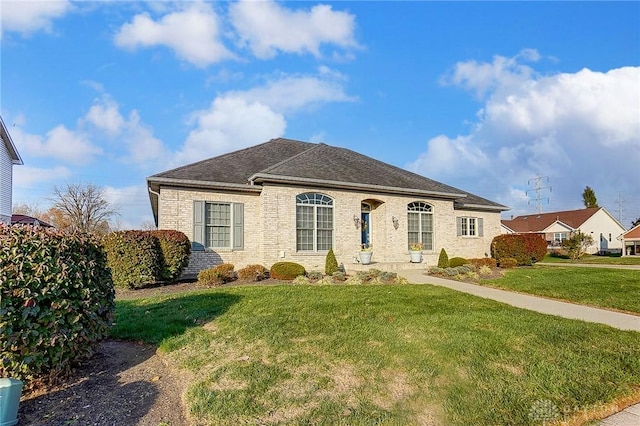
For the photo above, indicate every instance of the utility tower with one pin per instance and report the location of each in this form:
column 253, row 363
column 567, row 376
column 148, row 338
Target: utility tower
column 538, row 187
column 620, row 209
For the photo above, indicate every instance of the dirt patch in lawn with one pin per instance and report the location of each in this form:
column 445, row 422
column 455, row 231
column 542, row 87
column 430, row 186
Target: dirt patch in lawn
column 124, row 383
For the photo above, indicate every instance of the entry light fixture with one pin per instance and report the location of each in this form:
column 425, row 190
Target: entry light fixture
column 395, row 221
column 356, row 221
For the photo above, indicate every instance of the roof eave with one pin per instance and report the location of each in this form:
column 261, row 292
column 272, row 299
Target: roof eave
column 203, row 184
column 264, row 177
column 499, row 208
column 13, row 152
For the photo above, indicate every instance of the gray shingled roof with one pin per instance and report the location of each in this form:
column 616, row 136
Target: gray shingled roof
column 296, row 162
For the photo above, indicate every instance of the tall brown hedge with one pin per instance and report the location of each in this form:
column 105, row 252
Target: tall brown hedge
column 526, row 249
column 56, row 300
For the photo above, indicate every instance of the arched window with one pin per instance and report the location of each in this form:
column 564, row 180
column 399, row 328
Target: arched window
column 420, row 224
column 314, row 222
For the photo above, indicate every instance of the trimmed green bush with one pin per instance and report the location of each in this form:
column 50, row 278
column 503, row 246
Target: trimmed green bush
column 56, row 301
column 443, row 259
column 286, row 270
column 527, row 249
column 457, row 261
column 134, row 257
column 175, row 248
column 253, row 273
column 217, row 275
column 331, row 263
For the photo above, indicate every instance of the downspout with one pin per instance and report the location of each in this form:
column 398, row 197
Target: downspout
column 157, row 194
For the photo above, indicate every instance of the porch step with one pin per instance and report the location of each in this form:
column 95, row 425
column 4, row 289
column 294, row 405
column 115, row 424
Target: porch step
column 385, row 266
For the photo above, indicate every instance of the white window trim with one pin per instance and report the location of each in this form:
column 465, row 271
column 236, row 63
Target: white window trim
column 315, row 207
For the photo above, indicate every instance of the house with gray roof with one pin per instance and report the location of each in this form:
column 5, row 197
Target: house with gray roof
column 287, row 200
column 9, row 157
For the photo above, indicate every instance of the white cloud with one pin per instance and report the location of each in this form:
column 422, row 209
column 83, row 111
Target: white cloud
column 267, row 27
column 292, row 93
column 28, row 16
column 239, row 119
column 26, row 177
column 482, row 77
column 192, row 33
column 67, row 146
column 577, row 128
column 105, row 116
column 231, row 123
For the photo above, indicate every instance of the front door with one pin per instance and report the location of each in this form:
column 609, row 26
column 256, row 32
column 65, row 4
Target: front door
column 365, row 226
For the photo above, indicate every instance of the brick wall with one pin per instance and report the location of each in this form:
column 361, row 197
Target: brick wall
column 270, row 235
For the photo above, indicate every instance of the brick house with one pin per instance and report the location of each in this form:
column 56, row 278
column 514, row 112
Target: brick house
column 556, row 227
column 287, row 200
column 9, row 157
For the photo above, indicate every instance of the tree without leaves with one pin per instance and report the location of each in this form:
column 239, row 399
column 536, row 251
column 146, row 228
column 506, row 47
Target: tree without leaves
column 589, row 198
column 635, row 222
column 83, row 208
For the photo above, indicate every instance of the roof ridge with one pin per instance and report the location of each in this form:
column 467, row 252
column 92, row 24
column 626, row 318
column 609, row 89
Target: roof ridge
column 226, row 154
column 286, row 160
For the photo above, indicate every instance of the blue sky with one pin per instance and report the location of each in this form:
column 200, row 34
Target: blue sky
column 483, row 96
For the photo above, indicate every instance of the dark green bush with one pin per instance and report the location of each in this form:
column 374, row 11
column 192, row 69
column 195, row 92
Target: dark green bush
column 457, row 261
column 508, row 262
column 56, row 301
column 527, row 249
column 175, row 249
column 331, row 263
column 253, row 273
column 134, row 257
column 217, row 275
column 286, row 270
column 443, row 259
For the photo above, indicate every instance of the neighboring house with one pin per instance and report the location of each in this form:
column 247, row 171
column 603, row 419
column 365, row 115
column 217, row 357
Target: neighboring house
column 286, row 200
column 21, row 219
column 631, row 241
column 556, row 227
column 8, row 157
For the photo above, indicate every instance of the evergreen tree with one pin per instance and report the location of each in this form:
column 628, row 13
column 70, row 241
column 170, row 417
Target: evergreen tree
column 589, row 198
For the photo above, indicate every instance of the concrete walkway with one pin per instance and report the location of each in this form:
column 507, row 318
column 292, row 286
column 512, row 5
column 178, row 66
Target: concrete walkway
column 532, row 303
column 627, row 417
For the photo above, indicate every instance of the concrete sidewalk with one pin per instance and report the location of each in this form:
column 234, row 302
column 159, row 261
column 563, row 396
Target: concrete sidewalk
column 532, row 303
column 627, row 417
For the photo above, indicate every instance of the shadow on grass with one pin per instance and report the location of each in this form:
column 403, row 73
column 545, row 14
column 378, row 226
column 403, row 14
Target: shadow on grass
column 154, row 320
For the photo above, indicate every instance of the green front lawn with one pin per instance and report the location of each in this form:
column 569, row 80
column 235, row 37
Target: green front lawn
column 361, row 355
column 597, row 260
column 617, row 289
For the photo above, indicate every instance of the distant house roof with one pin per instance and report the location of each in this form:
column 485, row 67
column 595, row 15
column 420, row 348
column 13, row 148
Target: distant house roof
column 538, row 222
column 21, row 219
column 632, row 234
column 6, row 138
column 304, row 163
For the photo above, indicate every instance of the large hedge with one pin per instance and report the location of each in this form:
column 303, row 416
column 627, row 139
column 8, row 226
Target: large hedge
column 134, row 257
column 137, row 258
column 176, row 249
column 526, row 249
column 56, row 301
